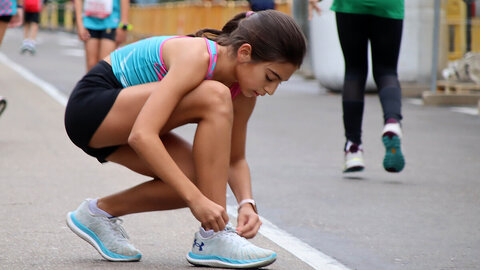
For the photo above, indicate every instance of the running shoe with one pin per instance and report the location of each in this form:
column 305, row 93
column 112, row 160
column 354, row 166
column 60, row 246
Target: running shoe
column 25, row 46
column 32, row 48
column 28, row 45
column 226, row 249
column 391, row 138
column 3, row 104
column 353, row 158
column 106, row 235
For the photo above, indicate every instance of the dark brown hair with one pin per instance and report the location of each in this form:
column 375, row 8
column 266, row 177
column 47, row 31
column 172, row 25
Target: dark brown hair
column 273, row 35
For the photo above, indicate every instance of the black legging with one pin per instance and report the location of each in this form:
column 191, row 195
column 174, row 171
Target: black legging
column 354, row 32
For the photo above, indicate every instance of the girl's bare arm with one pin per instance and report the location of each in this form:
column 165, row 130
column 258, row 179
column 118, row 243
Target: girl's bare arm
column 82, row 32
column 239, row 176
column 183, row 76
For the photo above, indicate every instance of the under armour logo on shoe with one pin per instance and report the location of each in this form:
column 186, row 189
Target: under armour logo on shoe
column 195, row 244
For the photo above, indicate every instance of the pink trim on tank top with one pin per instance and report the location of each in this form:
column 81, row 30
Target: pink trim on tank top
column 162, row 66
column 234, row 89
column 212, row 59
column 160, row 75
column 163, row 70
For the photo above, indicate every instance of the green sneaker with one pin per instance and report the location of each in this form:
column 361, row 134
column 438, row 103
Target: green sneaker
column 391, row 138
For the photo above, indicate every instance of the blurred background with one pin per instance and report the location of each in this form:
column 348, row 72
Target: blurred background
column 439, row 53
column 438, row 34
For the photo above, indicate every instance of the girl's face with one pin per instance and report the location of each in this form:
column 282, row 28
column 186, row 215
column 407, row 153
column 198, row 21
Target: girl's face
column 260, row 78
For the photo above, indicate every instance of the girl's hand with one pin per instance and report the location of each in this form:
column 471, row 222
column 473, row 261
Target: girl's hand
column 248, row 222
column 17, row 19
column 83, row 33
column 121, row 36
column 211, row 215
column 312, row 5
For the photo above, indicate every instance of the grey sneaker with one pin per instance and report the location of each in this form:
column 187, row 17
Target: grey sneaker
column 106, row 235
column 25, row 47
column 32, row 48
column 227, row 249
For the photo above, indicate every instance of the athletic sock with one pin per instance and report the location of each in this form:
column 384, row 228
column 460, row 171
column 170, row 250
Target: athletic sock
column 206, row 234
column 391, row 121
column 92, row 206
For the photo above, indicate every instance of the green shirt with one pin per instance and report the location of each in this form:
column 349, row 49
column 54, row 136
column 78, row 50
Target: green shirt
column 393, row 9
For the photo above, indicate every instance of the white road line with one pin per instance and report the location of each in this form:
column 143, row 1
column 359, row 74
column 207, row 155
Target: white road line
column 45, row 86
column 298, row 248
column 74, row 52
column 415, row 101
column 465, row 110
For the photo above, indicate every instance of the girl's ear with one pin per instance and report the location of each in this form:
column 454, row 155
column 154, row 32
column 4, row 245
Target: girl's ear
column 244, row 53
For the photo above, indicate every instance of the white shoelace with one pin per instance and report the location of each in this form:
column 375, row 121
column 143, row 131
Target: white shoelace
column 116, row 225
column 231, row 234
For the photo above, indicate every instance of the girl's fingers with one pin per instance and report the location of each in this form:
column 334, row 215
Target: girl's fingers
column 253, row 231
column 221, row 224
column 214, row 226
column 225, row 216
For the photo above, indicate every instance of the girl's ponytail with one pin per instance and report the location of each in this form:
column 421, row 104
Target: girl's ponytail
column 231, row 25
column 227, row 29
column 208, row 33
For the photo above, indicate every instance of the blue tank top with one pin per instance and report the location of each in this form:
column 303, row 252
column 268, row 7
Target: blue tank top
column 141, row 62
column 110, row 22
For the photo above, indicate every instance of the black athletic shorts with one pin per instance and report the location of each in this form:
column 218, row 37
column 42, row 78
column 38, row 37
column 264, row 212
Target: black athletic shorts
column 30, row 17
column 91, row 100
column 5, row 18
column 107, row 33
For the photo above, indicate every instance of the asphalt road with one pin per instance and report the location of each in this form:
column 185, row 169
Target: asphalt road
column 426, row 217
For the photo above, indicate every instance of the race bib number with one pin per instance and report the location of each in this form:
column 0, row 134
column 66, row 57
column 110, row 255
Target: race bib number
column 98, row 8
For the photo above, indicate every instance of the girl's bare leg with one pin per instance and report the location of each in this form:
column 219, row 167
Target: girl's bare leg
column 106, row 47
column 210, row 106
column 3, row 29
column 33, row 31
column 26, row 30
column 153, row 195
column 92, row 50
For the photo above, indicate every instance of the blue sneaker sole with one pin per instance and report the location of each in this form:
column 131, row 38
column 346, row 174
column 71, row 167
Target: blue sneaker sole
column 393, row 160
column 91, row 238
column 217, row 261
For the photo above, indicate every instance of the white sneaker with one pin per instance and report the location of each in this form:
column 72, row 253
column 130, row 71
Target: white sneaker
column 106, row 235
column 353, row 158
column 228, row 250
column 25, row 46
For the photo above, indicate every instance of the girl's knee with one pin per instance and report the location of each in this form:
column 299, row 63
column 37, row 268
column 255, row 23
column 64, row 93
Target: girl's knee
column 217, row 98
column 386, row 80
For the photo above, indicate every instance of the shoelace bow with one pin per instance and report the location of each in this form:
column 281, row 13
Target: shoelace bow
column 116, row 224
column 232, row 235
